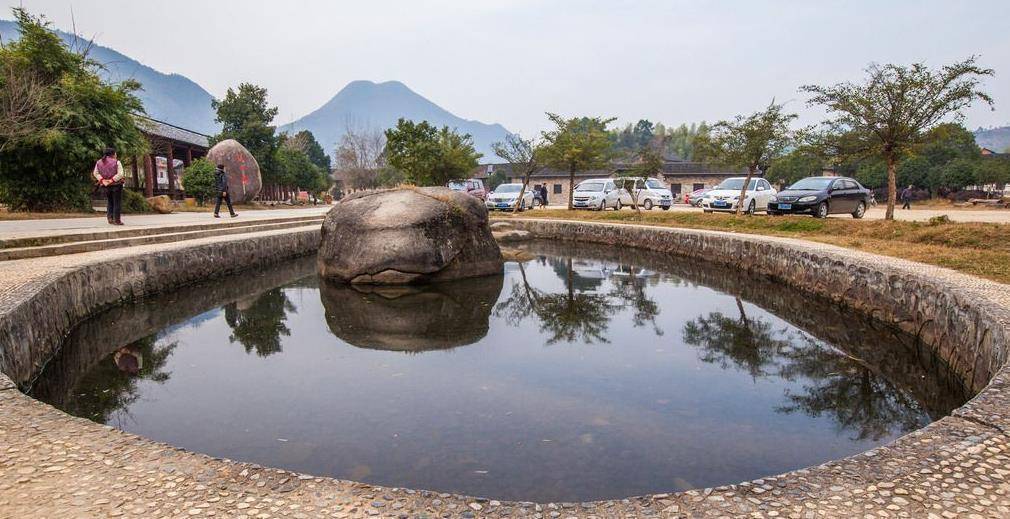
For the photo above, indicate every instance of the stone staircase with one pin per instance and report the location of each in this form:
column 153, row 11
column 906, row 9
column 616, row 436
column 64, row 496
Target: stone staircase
column 77, row 242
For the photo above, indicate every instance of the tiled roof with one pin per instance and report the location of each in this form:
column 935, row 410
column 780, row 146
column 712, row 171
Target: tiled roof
column 164, row 130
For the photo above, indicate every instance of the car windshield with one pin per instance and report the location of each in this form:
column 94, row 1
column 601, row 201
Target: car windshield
column 654, row 184
column 736, row 184
column 812, row 184
column 589, row 186
column 508, row 188
column 457, row 186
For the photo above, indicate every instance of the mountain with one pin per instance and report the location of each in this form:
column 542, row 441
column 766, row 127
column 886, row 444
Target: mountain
column 167, row 97
column 364, row 104
column 996, row 139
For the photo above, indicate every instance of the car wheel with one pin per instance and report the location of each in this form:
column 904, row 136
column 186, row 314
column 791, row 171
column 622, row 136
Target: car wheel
column 752, row 208
column 821, row 211
column 860, row 210
column 617, row 206
column 648, row 204
column 603, row 205
column 774, row 213
column 666, row 208
column 707, row 210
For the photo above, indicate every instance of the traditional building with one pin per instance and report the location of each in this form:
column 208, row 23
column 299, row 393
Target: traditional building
column 172, row 150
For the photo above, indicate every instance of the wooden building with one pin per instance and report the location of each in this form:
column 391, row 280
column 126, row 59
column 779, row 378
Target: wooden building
column 172, row 150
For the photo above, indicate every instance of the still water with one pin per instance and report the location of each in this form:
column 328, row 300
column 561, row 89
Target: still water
column 586, row 373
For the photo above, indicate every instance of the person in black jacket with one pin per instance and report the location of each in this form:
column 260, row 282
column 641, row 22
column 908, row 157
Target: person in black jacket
column 221, row 178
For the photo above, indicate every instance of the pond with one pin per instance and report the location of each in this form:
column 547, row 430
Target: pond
column 586, row 373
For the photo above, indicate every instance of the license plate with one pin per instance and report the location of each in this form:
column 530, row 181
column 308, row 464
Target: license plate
column 720, row 204
column 503, row 204
column 785, row 206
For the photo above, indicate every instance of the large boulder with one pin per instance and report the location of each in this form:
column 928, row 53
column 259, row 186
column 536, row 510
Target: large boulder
column 412, row 318
column 160, row 204
column 244, row 179
column 407, row 235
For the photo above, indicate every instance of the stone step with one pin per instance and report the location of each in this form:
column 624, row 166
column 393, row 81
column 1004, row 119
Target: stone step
column 130, row 232
column 76, row 247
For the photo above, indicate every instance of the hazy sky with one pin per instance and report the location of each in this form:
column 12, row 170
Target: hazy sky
column 509, row 61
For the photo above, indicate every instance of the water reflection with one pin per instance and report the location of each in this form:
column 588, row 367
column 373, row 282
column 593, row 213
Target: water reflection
column 411, row 318
column 699, row 376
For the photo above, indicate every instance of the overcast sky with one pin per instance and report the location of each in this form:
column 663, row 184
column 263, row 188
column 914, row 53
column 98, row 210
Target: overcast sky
column 510, row 61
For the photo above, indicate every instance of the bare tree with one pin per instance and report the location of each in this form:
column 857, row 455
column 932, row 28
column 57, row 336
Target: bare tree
column 360, row 156
column 27, row 105
column 521, row 154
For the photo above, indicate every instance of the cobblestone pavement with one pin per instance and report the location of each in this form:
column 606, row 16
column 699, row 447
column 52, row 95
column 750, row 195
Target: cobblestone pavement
column 30, row 228
column 55, row 465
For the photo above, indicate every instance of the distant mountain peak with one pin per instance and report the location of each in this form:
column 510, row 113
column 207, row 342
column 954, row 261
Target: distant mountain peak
column 378, row 105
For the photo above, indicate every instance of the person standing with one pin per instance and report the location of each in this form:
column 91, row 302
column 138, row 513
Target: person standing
column 543, row 194
column 221, row 179
column 906, row 198
column 109, row 174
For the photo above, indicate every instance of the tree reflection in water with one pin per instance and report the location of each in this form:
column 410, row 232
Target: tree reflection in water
column 578, row 314
column 259, row 324
column 110, row 386
column 857, row 398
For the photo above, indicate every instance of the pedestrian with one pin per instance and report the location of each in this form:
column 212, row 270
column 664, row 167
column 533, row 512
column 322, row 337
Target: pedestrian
column 221, row 178
column 906, row 198
column 543, row 194
column 109, row 174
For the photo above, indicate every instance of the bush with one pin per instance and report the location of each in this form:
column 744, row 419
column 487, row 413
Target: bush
column 134, row 202
column 198, row 181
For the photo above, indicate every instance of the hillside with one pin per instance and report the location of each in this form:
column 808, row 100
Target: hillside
column 364, row 104
column 996, row 139
column 168, row 97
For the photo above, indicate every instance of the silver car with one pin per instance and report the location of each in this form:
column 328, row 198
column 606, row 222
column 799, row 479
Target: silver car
column 596, row 194
column 504, row 197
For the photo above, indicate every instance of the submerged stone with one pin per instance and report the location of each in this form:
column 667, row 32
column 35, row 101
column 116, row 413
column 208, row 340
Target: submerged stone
column 407, row 235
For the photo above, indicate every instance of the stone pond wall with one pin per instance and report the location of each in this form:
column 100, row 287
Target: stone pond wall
column 957, row 466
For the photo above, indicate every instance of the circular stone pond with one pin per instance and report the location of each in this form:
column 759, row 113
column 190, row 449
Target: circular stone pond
column 589, row 372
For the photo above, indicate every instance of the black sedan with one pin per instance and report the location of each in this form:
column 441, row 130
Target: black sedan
column 821, row 196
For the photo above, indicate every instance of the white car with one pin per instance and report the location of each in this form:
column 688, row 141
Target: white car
column 504, row 197
column 726, row 196
column 651, row 193
column 596, row 194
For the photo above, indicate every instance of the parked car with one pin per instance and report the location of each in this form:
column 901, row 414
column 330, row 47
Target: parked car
column 821, row 196
column 504, row 197
column 597, row 194
column 473, row 186
column 726, row 196
column 695, row 197
column 651, row 192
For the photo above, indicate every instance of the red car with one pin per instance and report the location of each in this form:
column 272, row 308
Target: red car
column 473, row 186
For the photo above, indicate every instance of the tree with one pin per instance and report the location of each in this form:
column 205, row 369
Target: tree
column 305, row 142
column 522, row 155
column 576, row 144
column 295, row 167
column 259, row 324
column 892, row 108
column 428, row 156
column 801, row 162
column 751, row 142
column 360, row 157
column 199, row 180
column 246, row 117
column 62, row 115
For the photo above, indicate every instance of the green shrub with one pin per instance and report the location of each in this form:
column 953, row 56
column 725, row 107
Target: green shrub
column 198, row 181
column 134, row 202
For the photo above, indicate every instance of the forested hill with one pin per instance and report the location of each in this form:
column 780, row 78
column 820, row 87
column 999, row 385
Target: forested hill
column 168, row 97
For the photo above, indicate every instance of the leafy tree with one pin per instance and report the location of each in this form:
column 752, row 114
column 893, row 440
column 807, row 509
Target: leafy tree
column 681, row 140
column 954, row 175
column 246, row 117
column 428, row 156
column 305, row 142
column 199, row 180
column 872, row 174
column 648, row 162
column 994, row 172
column 67, row 117
column 522, row 155
column 891, row 109
column 576, row 144
column 803, row 161
column 294, row 167
column 753, row 142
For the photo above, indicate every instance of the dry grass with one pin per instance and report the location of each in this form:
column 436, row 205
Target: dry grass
column 979, row 249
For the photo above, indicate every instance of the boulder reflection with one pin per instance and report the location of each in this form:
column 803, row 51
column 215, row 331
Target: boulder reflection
column 418, row 318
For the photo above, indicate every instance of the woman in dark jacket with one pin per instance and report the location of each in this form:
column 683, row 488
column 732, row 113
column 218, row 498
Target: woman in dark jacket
column 221, row 178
